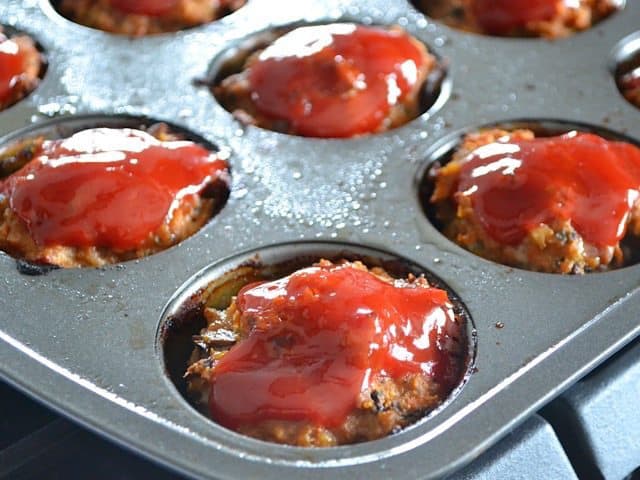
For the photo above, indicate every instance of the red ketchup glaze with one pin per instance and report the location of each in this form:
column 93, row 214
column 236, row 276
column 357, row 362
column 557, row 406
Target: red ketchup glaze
column 319, row 337
column 499, row 17
column 515, row 186
column 12, row 66
column 106, row 187
column 631, row 80
column 335, row 80
column 152, row 8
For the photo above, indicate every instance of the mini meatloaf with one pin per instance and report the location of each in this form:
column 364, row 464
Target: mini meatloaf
column 104, row 195
column 336, row 80
column 520, row 18
column 630, row 84
column 20, row 67
column 558, row 204
column 332, row 354
column 145, row 17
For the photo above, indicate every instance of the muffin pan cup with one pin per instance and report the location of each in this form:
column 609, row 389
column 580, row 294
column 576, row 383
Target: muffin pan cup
column 85, row 341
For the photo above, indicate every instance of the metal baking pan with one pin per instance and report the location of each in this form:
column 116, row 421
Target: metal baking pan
column 87, row 343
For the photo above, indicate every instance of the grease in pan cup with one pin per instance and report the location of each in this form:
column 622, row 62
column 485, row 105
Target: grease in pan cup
column 323, row 345
column 334, row 80
column 22, row 65
column 549, row 19
column 542, row 196
column 74, row 195
column 145, row 17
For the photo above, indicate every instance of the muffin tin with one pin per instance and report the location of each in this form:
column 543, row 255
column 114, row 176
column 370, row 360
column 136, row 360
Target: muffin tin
column 87, row 341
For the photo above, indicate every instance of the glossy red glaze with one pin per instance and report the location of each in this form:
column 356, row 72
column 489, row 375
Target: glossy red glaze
column 12, row 66
column 107, row 187
column 319, row 337
column 500, row 17
column 335, row 80
column 515, row 186
column 631, row 80
column 152, row 8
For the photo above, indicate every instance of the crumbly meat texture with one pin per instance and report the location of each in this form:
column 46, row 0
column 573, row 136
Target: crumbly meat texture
column 187, row 13
column 234, row 93
column 33, row 66
column 386, row 407
column 15, row 239
column 552, row 248
column 187, row 218
column 458, row 14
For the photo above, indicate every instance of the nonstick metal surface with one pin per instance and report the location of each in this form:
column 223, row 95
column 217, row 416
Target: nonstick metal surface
column 86, row 341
